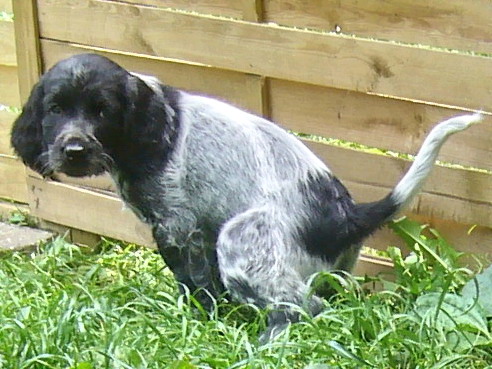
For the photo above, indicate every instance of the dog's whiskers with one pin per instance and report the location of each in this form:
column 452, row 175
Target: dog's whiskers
column 107, row 162
column 44, row 165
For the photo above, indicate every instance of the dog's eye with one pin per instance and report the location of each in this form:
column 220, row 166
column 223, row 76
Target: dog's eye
column 101, row 111
column 55, row 109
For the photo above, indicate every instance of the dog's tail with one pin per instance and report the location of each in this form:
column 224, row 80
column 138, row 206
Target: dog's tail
column 371, row 216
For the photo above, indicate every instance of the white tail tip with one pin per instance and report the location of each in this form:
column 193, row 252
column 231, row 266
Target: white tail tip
column 464, row 121
column 413, row 180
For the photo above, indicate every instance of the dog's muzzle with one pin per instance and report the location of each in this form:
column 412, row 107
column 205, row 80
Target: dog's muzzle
column 78, row 153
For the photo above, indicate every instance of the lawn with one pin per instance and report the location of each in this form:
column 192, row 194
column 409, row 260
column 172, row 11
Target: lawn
column 116, row 306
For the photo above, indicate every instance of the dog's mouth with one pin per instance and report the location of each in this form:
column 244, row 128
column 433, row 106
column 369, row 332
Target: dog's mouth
column 81, row 169
column 77, row 158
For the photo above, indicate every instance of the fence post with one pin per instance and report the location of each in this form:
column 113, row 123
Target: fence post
column 253, row 10
column 27, row 45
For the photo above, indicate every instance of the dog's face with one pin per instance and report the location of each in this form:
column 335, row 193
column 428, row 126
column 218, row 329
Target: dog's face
column 77, row 115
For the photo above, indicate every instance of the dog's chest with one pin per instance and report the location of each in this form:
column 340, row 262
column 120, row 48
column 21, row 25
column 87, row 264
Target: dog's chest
column 145, row 198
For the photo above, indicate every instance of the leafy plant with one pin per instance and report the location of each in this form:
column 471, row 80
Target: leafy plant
column 433, row 264
column 21, row 218
column 432, row 274
column 479, row 290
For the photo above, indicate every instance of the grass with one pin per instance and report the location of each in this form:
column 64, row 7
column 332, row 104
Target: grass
column 10, row 109
column 117, row 306
column 6, row 17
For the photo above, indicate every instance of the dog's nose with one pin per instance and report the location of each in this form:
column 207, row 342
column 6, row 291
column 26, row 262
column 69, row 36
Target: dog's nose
column 74, row 151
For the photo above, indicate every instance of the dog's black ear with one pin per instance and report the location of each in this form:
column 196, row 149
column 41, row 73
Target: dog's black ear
column 151, row 116
column 27, row 134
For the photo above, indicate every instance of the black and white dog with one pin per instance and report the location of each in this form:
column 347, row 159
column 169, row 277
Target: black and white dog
column 235, row 203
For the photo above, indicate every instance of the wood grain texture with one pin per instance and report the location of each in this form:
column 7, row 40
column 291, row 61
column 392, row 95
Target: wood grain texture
column 27, row 45
column 6, row 120
column 344, row 68
column 430, row 205
column 250, row 10
column 454, row 196
column 375, row 121
column 7, row 44
column 9, row 90
column 372, row 266
column 385, row 172
column 103, row 183
column 82, row 209
column 225, row 8
column 451, row 194
column 456, row 24
column 292, row 54
column 12, row 179
column 243, row 90
column 6, row 6
column 86, row 210
column 467, row 238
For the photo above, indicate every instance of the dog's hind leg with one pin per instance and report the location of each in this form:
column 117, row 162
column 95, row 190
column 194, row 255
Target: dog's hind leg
column 259, row 262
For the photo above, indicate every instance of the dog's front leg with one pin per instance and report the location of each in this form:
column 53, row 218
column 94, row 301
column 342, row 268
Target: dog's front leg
column 193, row 261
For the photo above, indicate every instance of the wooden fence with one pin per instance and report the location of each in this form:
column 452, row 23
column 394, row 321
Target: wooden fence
column 377, row 73
column 12, row 173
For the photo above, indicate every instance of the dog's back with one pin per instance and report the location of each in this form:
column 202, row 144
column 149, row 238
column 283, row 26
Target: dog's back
column 229, row 160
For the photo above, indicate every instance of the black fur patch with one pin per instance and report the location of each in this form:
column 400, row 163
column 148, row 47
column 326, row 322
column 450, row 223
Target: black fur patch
column 27, row 134
column 150, row 132
column 336, row 222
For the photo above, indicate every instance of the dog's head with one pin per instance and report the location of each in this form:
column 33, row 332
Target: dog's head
column 81, row 115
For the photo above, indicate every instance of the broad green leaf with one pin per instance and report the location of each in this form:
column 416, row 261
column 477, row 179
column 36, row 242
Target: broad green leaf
column 462, row 341
column 449, row 311
column 481, row 290
column 410, row 232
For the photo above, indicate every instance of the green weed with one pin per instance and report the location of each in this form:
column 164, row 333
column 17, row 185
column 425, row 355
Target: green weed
column 6, row 17
column 117, row 306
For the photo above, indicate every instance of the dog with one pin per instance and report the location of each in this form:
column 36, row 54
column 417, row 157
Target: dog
column 236, row 204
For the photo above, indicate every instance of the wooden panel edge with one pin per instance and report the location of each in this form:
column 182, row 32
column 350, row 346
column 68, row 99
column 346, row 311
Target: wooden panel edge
column 12, row 179
column 452, row 24
column 371, row 66
column 373, row 265
column 383, row 171
column 6, row 120
column 86, row 210
column 27, row 45
column 243, row 90
column 376, row 121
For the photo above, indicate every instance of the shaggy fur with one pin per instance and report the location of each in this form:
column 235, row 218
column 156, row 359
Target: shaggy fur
column 235, row 203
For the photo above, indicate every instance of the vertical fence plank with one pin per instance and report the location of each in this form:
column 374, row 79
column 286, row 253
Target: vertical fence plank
column 253, row 10
column 27, row 49
column 27, row 45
